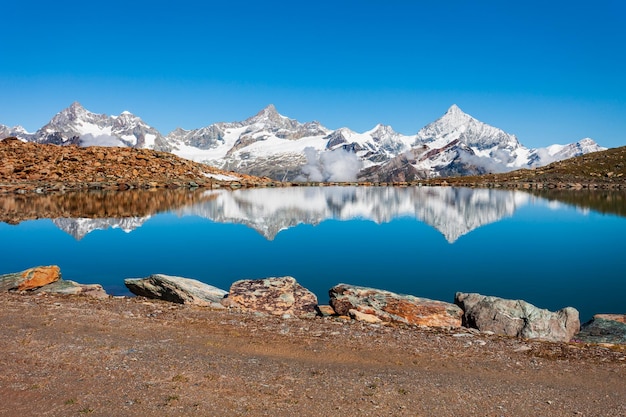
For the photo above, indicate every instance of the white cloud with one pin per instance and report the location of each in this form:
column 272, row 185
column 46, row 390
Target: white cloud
column 335, row 165
column 100, row 140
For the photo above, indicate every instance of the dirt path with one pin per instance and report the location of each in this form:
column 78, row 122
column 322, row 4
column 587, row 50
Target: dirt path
column 71, row 356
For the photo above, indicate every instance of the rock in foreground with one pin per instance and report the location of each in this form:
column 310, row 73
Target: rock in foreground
column 604, row 328
column 276, row 296
column 69, row 287
column 394, row 308
column 517, row 318
column 177, row 290
column 30, row 279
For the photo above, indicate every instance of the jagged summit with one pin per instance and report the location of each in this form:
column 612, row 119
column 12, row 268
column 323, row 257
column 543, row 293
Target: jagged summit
column 458, row 125
column 73, row 112
column 267, row 114
column 454, row 109
column 273, row 145
column 454, row 116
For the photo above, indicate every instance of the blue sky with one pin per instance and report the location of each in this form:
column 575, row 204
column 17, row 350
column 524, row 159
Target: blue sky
column 549, row 72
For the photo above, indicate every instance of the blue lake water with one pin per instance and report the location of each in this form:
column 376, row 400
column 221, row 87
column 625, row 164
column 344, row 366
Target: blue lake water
column 425, row 241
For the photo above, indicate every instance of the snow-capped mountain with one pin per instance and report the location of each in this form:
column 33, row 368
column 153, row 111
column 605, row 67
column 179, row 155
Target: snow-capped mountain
column 78, row 126
column 458, row 144
column 270, row 144
column 267, row 144
column 17, row 131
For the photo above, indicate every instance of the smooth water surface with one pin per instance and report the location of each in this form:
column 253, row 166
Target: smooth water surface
column 425, row 241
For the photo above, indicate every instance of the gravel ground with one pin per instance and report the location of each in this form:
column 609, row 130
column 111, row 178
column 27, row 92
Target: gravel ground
column 73, row 356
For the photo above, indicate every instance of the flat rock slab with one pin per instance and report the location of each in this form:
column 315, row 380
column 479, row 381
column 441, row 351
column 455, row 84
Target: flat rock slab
column 393, row 308
column 621, row 318
column 30, row 279
column 517, row 318
column 177, row 290
column 276, row 296
column 69, row 287
column 604, row 328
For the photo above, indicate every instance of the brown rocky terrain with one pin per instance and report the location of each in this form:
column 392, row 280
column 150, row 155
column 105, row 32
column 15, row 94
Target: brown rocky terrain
column 75, row 356
column 26, row 166
column 605, row 169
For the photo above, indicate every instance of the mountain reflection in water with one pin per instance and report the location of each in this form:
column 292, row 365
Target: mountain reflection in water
column 425, row 241
column 452, row 211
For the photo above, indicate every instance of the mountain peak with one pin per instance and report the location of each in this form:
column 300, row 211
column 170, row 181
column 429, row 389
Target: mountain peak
column 74, row 112
column 268, row 112
column 270, row 108
column 454, row 109
column 457, row 115
column 76, row 106
column 268, row 115
column 75, row 109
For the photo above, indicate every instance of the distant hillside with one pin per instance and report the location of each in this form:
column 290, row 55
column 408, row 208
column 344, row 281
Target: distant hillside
column 42, row 167
column 604, row 169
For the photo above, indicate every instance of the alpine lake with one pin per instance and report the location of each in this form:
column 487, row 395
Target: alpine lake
column 550, row 248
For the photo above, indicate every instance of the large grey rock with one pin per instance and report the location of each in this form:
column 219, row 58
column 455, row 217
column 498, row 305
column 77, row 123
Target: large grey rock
column 30, row 279
column 604, row 328
column 177, row 290
column 392, row 307
column 517, row 318
column 68, row 287
column 276, row 296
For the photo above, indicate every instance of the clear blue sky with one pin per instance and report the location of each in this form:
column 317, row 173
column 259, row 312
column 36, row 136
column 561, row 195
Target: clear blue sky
column 547, row 71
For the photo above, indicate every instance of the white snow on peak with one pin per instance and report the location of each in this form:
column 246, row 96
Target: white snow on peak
column 271, row 144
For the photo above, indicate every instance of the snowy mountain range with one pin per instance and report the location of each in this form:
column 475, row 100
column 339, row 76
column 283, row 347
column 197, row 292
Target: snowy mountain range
column 453, row 211
column 270, row 144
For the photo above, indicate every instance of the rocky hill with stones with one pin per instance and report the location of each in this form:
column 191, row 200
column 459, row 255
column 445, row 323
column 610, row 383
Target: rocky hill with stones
column 42, row 167
column 604, row 169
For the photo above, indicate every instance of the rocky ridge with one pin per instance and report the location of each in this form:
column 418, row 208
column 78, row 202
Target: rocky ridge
column 43, row 167
column 598, row 170
column 285, row 297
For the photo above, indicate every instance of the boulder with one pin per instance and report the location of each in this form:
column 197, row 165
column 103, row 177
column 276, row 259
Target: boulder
column 63, row 286
column 517, row 318
column 276, row 296
column 364, row 317
column 604, row 328
column 177, row 290
column 325, row 311
column 30, row 279
column 394, row 308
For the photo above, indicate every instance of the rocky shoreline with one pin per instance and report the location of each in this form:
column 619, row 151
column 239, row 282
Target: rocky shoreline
column 285, row 297
column 35, row 168
column 72, row 355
